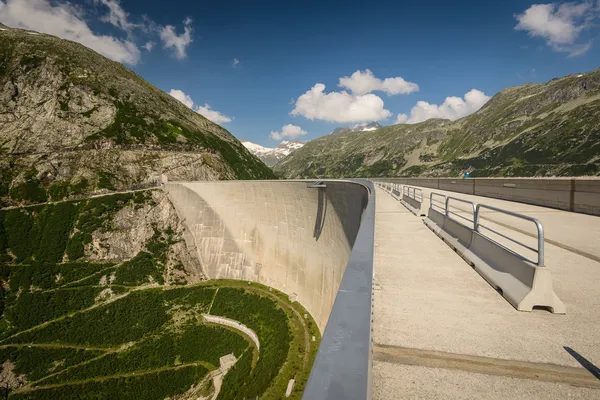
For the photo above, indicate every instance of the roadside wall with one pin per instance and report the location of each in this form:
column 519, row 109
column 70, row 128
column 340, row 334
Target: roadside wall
column 571, row 194
column 278, row 233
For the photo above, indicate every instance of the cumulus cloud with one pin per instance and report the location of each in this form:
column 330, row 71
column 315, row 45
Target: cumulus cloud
column 288, row 131
column 363, row 82
column 339, row 106
column 212, row 115
column 182, row 97
column 66, row 21
column 452, row 108
column 561, row 25
column 235, row 62
column 206, row 111
column 177, row 43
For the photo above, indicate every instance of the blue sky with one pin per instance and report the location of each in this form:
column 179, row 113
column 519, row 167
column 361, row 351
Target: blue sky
column 434, row 49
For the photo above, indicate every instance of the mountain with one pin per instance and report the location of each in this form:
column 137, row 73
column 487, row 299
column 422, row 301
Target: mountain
column 358, row 128
column 545, row 129
column 271, row 156
column 74, row 121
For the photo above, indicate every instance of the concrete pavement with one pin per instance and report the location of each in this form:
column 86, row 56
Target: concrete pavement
column 426, row 298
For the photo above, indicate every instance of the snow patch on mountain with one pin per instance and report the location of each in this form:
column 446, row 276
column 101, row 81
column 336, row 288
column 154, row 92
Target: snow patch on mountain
column 272, row 156
column 357, row 128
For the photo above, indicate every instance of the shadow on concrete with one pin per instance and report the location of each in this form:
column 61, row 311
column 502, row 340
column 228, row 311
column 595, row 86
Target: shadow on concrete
column 321, row 213
column 349, row 202
column 585, row 363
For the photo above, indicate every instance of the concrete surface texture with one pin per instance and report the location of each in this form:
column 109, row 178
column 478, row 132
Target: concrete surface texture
column 282, row 234
column 445, row 322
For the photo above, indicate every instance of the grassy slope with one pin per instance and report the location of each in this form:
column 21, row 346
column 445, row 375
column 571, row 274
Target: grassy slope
column 535, row 129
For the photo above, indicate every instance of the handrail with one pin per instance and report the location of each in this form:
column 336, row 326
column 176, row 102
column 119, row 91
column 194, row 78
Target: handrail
column 448, row 198
column 420, row 197
column 407, row 191
column 432, row 201
column 538, row 224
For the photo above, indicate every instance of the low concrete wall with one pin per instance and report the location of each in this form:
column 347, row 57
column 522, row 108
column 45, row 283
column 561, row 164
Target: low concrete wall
column 570, row 194
column 586, row 196
column 466, row 186
column 279, row 233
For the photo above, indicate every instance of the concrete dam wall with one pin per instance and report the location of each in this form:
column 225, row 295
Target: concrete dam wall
column 278, row 233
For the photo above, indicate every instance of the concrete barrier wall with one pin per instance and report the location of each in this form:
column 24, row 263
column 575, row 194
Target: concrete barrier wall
column 523, row 284
column 281, row 234
column 543, row 192
column 466, row 186
column 586, row 196
column 570, row 194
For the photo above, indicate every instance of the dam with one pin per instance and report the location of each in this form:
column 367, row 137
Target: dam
column 403, row 311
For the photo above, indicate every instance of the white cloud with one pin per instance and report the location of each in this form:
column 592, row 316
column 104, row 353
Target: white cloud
column 178, row 43
column 561, row 25
column 182, row 97
column 149, row 46
column 66, row 21
column 206, row 110
column 365, row 82
column 235, row 62
column 117, row 16
column 452, row 108
column 212, row 115
column 288, row 131
column 339, row 106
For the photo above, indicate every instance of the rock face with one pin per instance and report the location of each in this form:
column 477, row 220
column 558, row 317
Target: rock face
column 548, row 129
column 129, row 231
column 355, row 129
column 271, row 156
column 69, row 115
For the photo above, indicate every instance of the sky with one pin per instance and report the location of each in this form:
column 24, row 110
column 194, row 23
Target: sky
column 278, row 70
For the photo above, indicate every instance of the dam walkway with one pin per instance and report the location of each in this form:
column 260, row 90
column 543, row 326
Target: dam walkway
column 441, row 331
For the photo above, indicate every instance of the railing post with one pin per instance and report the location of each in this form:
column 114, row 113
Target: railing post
column 476, row 218
column 540, row 228
column 446, row 208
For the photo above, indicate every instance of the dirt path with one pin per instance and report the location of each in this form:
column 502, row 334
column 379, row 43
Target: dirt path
column 117, row 376
column 82, row 198
column 60, row 346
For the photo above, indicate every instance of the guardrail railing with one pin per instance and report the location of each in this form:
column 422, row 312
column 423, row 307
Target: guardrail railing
column 539, row 227
column 413, row 193
column 464, row 220
column 475, row 223
column 437, row 205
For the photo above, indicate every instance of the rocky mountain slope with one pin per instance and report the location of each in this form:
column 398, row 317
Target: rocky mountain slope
column 548, row 129
column 72, row 121
column 271, row 156
column 358, row 128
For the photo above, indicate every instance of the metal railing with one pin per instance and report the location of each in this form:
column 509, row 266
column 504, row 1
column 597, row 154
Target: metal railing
column 478, row 227
column 417, row 194
column 539, row 227
column 433, row 203
column 469, row 223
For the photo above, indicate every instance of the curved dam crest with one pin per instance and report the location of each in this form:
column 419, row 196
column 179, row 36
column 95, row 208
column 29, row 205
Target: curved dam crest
column 279, row 233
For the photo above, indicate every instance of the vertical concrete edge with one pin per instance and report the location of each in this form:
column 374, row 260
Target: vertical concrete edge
column 342, row 368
